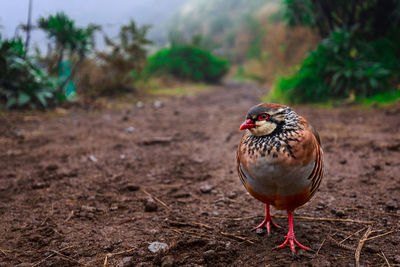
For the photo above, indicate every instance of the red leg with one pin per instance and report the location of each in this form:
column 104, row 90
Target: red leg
column 290, row 236
column 267, row 220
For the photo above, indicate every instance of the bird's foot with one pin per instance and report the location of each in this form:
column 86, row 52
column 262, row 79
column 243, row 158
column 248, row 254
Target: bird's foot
column 292, row 241
column 267, row 221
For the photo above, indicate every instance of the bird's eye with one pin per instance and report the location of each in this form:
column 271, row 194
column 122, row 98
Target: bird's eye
column 263, row 117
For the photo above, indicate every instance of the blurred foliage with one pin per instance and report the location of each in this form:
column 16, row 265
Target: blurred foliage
column 234, row 28
column 22, row 84
column 360, row 59
column 121, row 64
column 373, row 18
column 67, row 37
column 188, row 63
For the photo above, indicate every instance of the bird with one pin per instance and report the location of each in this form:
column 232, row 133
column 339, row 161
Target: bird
column 279, row 162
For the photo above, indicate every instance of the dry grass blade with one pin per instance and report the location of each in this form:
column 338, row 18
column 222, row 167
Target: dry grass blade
column 65, row 257
column 327, row 219
column 240, row 218
column 337, row 243
column 386, row 260
column 155, row 198
column 194, row 224
column 376, row 211
column 377, row 236
column 361, row 244
column 51, row 255
column 323, row 242
column 4, row 251
column 115, row 254
column 236, row 237
column 356, row 233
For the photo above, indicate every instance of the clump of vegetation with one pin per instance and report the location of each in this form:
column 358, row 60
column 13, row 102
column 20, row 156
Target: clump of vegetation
column 188, row 63
column 359, row 57
column 22, row 83
column 66, row 37
column 342, row 65
column 116, row 71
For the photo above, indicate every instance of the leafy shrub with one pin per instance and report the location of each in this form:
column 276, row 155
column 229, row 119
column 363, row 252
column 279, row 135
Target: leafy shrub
column 22, row 84
column 188, row 63
column 119, row 66
column 342, row 64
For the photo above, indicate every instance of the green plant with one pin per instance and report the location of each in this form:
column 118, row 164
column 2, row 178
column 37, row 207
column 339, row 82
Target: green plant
column 22, row 84
column 187, row 63
column 124, row 64
column 340, row 66
column 67, row 37
column 374, row 18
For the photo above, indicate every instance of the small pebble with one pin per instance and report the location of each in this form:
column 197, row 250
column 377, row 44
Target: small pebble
column 206, row 188
column 130, row 129
column 126, row 262
column 209, row 253
column 150, row 205
column 260, row 231
column 93, row 158
column 339, row 213
column 157, row 246
column 158, row 104
column 88, row 208
column 139, row 104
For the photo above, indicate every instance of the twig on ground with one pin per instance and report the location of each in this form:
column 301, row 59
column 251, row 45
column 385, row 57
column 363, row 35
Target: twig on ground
column 4, row 251
column 337, row 243
column 236, row 237
column 361, row 244
column 356, row 233
column 304, row 218
column 384, row 257
column 376, row 211
column 194, row 234
column 70, row 215
column 156, row 199
column 194, row 224
column 377, row 236
column 51, row 255
column 67, row 258
column 109, row 255
column 323, row 242
column 326, row 219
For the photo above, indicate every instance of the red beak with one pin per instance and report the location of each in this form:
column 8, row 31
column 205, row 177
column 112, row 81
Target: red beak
column 247, row 125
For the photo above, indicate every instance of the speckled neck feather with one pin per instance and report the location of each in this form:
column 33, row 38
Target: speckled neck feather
column 285, row 131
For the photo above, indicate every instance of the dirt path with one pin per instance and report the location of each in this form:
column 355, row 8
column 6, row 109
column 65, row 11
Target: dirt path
column 75, row 188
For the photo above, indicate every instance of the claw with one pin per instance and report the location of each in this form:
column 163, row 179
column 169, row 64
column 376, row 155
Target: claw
column 291, row 238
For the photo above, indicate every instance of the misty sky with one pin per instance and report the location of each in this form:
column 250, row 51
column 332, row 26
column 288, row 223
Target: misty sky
column 111, row 14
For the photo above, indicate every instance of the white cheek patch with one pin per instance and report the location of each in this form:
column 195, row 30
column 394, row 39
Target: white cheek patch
column 263, row 128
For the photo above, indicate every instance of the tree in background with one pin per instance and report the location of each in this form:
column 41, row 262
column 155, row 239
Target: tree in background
column 360, row 54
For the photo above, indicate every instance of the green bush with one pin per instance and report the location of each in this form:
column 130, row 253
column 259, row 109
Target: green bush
column 22, row 84
column 187, row 63
column 343, row 64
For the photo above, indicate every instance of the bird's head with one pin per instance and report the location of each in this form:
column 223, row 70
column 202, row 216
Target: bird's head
column 264, row 118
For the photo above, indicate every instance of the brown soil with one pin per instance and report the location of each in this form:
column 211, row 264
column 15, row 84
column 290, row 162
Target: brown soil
column 75, row 187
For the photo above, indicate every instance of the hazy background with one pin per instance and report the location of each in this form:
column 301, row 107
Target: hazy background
column 109, row 14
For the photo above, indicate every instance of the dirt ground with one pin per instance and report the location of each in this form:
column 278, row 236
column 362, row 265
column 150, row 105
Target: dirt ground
column 97, row 187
